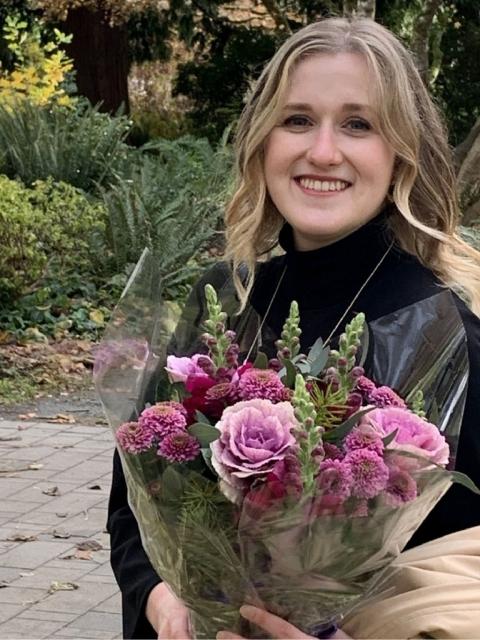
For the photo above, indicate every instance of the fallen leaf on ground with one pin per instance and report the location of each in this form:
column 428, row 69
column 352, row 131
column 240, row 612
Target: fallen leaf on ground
column 26, row 574
column 95, row 487
column 90, row 545
column 3, row 584
column 51, row 491
column 61, row 418
column 61, row 515
column 59, row 533
column 83, row 554
column 21, row 537
column 62, row 586
column 27, row 416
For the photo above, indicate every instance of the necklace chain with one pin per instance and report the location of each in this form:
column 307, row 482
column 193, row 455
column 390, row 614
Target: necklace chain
column 343, row 316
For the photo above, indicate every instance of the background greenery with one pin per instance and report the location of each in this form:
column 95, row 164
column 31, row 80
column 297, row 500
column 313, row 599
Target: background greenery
column 114, row 134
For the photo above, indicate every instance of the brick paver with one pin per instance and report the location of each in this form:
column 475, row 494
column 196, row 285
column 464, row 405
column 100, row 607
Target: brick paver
column 74, row 458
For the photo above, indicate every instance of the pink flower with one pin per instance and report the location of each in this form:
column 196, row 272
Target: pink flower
column 401, row 487
column 133, row 438
column 385, row 397
column 365, row 386
column 335, row 478
column 254, row 436
column 179, row 369
column 332, row 452
column 414, row 434
column 369, row 471
column 163, row 418
column 179, row 446
column 225, row 391
column 261, row 383
column 364, row 437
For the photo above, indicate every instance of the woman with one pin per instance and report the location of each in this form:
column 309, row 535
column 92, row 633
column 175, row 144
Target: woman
column 340, row 151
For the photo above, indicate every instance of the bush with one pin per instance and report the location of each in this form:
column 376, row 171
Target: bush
column 171, row 202
column 50, row 224
column 78, row 145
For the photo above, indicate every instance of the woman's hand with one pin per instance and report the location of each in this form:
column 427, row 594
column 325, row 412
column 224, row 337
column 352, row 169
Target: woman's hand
column 167, row 614
column 274, row 625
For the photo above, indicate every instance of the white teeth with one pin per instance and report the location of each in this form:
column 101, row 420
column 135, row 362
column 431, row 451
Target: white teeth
column 323, row 185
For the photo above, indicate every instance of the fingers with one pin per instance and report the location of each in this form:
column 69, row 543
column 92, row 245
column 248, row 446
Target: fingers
column 271, row 623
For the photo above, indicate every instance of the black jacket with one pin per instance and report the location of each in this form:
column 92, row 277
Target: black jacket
column 323, row 282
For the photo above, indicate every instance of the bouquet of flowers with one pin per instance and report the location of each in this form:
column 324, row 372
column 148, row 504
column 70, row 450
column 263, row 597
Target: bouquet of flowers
column 288, row 482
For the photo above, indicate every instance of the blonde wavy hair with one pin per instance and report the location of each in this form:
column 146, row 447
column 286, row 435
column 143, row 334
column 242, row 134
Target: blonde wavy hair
column 425, row 201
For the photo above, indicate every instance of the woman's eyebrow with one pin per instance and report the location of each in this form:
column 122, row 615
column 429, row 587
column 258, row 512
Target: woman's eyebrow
column 347, row 106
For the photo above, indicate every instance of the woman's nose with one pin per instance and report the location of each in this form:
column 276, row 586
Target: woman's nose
column 323, row 147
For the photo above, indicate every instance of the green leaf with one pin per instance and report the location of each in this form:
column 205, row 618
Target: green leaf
column 290, row 374
column 201, row 417
column 261, row 361
column 319, row 363
column 204, row 432
column 388, row 439
column 344, row 429
column 316, row 350
column 465, row 481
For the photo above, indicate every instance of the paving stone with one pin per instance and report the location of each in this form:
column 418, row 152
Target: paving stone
column 111, row 605
column 9, row 574
column 90, row 523
column 72, row 501
column 100, row 621
column 30, row 555
column 87, row 596
column 84, row 471
column 17, row 507
column 88, row 431
column 49, row 616
column 28, row 628
column 47, row 518
column 64, row 440
column 9, row 611
column 43, row 577
column 104, row 579
column 34, row 491
column 79, row 634
column 32, row 454
column 8, row 486
column 103, row 570
column 22, row 597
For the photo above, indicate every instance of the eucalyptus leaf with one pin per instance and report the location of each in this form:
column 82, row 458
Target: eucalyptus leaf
column 205, row 433
column 316, row 350
column 365, row 342
column 465, row 481
column 207, row 456
column 201, row 417
column 388, row 439
column 304, row 367
column 319, row 363
column 261, row 361
column 338, row 433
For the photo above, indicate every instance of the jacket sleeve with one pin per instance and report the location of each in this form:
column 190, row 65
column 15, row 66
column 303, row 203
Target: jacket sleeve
column 460, row 508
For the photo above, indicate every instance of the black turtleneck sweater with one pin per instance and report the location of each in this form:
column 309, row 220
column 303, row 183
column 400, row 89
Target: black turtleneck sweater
column 323, row 282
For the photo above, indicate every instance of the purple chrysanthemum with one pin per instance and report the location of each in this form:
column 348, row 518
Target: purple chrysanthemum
column 365, row 386
column 163, row 418
column 179, row 446
column 335, row 478
column 364, row 437
column 133, row 438
column 401, row 487
column 383, row 397
column 370, row 473
column 263, row 384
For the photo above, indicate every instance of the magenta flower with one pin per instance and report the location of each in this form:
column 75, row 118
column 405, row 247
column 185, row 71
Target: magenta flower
column 401, row 487
column 364, row 437
column 225, row 391
column 179, row 369
column 163, row 418
column 133, row 438
column 332, row 452
column 414, row 434
column 335, row 478
column 369, row 471
column 365, row 386
column 385, row 397
column 261, row 383
column 254, row 436
column 179, row 446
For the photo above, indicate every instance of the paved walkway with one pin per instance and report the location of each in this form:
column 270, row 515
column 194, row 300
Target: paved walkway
column 55, row 577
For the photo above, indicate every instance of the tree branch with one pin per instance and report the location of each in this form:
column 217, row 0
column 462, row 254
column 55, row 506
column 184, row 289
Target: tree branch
column 421, row 32
column 278, row 17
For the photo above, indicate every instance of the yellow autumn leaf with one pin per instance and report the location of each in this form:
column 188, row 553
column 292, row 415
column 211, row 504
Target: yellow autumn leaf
column 97, row 316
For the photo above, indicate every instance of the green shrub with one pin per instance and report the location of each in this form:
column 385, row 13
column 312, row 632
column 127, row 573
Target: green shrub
column 171, row 202
column 22, row 260
column 51, row 224
column 78, row 145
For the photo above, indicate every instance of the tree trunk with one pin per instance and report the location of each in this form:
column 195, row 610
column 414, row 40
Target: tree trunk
column 100, row 57
column 421, row 33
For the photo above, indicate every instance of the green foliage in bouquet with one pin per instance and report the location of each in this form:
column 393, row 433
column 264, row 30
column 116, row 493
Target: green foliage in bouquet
column 78, row 145
column 171, row 201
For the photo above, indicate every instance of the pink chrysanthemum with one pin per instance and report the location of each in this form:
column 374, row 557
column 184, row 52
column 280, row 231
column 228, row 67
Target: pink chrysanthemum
column 179, row 446
column 133, row 438
column 401, row 487
column 383, row 397
column 263, row 384
column 364, row 437
column 335, row 478
column 370, row 473
column 225, row 391
column 365, row 386
column 163, row 419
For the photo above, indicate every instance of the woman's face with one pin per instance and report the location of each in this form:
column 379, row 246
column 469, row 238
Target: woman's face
column 327, row 167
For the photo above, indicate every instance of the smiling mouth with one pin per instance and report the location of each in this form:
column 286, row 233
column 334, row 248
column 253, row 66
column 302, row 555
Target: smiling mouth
column 322, row 186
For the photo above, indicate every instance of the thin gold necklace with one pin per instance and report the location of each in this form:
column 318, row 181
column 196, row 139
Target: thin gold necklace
column 343, row 316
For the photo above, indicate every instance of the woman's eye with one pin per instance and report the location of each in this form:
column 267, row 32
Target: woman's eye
column 296, row 122
column 357, row 124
